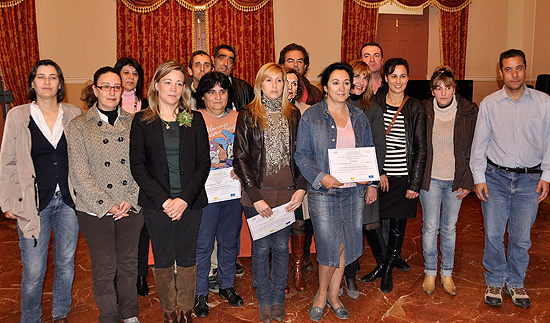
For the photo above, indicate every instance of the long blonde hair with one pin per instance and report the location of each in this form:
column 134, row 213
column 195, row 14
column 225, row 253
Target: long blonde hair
column 256, row 107
column 360, row 67
column 151, row 113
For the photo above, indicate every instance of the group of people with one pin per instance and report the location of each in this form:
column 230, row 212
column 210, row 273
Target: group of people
column 132, row 168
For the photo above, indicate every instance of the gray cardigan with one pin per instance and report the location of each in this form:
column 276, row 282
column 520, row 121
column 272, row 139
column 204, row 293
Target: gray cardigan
column 17, row 175
column 99, row 162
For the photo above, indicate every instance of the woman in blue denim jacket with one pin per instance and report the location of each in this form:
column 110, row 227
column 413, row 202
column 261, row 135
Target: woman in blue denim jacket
column 335, row 208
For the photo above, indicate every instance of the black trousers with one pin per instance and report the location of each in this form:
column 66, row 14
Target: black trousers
column 173, row 240
column 113, row 247
column 143, row 253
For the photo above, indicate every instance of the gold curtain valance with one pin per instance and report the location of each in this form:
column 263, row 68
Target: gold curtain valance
column 144, row 6
column 444, row 5
column 9, row 3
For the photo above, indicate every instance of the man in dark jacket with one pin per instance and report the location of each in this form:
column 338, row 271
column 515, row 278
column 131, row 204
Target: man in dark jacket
column 372, row 54
column 224, row 58
column 294, row 56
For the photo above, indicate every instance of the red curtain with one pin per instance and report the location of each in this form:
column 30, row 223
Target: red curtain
column 359, row 25
column 250, row 33
column 159, row 34
column 18, row 45
column 454, row 32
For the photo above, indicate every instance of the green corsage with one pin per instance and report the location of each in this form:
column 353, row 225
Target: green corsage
column 185, row 118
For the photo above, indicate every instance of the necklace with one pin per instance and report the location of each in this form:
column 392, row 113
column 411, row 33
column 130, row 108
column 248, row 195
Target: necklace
column 166, row 123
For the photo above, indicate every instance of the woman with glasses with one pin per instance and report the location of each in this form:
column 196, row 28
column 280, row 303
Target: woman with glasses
column 447, row 178
column 34, row 189
column 106, row 196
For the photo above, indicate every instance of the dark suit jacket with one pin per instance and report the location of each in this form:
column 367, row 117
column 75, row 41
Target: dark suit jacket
column 150, row 167
column 243, row 93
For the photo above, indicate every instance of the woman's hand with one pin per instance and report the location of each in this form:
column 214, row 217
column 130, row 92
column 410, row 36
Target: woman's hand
column 124, row 209
column 411, row 194
column 463, row 193
column 384, row 183
column 10, row 215
column 372, row 195
column 263, row 208
column 295, row 200
column 330, row 181
column 233, row 175
column 174, row 208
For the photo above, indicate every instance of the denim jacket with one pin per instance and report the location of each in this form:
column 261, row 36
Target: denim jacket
column 317, row 133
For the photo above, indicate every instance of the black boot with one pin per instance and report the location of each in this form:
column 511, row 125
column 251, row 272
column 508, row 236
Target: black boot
column 395, row 242
column 374, row 239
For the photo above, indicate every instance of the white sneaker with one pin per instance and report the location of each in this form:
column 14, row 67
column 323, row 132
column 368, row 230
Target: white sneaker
column 131, row 320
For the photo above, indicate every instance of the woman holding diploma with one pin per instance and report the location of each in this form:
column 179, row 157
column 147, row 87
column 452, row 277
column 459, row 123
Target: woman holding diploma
column 405, row 123
column 265, row 142
column 336, row 209
column 170, row 162
column 221, row 221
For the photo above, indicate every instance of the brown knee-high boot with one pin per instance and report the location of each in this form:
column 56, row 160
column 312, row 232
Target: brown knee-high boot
column 187, row 286
column 298, row 242
column 166, row 288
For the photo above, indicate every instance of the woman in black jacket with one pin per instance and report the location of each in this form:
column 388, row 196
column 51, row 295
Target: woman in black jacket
column 265, row 142
column 405, row 123
column 170, row 161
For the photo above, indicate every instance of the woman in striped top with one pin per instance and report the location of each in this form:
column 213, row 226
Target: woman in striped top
column 405, row 124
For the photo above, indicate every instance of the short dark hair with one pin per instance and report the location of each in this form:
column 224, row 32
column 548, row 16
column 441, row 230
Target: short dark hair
column 224, row 46
column 197, row 53
column 87, row 94
column 512, row 53
column 390, row 65
column 208, row 82
column 123, row 61
column 32, row 76
column 371, row 43
column 294, row 46
column 342, row 66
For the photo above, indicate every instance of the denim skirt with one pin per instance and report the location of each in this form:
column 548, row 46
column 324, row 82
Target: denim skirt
column 337, row 218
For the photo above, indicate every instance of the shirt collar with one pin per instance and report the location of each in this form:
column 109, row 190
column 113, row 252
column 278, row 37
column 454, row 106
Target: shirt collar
column 502, row 94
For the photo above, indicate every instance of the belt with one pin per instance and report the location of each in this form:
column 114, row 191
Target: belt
column 525, row 170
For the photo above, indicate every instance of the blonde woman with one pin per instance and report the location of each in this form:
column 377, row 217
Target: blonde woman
column 170, row 160
column 265, row 142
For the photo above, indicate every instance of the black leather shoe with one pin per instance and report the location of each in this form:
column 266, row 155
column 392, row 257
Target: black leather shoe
column 373, row 275
column 232, row 297
column 142, row 288
column 402, row 265
column 201, row 306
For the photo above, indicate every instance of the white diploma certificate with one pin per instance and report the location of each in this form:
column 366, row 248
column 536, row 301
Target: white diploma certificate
column 351, row 165
column 221, row 187
column 261, row 227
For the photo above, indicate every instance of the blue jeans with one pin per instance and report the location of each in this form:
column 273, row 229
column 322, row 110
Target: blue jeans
column 221, row 221
column 337, row 219
column 512, row 200
column 62, row 219
column 269, row 292
column 440, row 209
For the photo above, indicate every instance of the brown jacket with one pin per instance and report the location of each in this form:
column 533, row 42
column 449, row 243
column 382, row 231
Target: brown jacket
column 465, row 123
column 17, row 176
column 249, row 153
column 314, row 94
column 99, row 162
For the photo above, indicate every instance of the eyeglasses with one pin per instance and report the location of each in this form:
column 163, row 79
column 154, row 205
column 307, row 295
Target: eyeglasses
column 107, row 88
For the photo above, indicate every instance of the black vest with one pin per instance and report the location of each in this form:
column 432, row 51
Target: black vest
column 51, row 166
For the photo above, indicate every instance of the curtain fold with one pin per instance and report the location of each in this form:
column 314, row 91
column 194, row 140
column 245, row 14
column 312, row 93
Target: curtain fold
column 251, row 34
column 18, row 46
column 453, row 28
column 156, row 36
column 359, row 25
